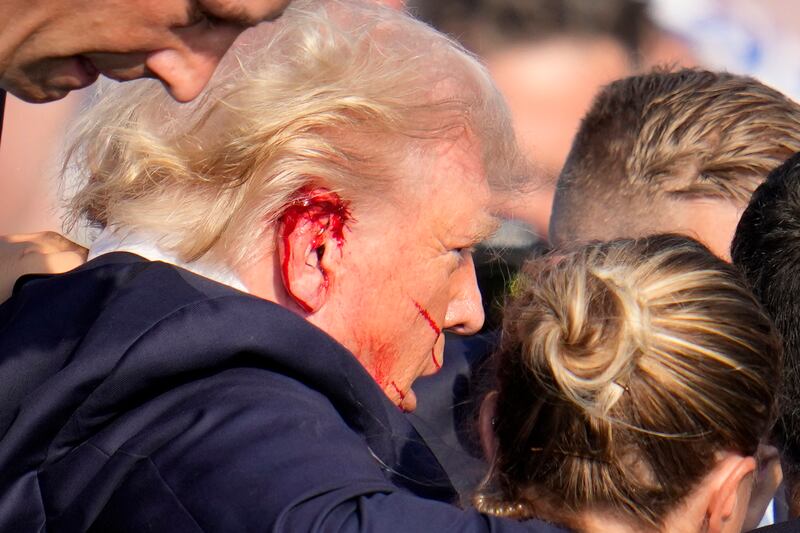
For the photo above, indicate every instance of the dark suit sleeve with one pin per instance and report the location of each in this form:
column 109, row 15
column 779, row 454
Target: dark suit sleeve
column 251, row 450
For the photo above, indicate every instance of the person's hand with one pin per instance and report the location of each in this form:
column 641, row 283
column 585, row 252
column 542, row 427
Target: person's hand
column 768, row 478
column 36, row 253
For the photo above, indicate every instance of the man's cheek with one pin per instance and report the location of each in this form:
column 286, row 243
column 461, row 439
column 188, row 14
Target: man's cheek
column 381, row 358
column 435, row 328
column 378, row 355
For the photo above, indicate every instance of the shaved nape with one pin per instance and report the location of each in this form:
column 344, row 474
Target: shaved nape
column 689, row 132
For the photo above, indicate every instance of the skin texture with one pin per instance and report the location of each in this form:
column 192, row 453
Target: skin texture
column 436, row 329
column 710, row 221
column 50, row 47
column 368, row 293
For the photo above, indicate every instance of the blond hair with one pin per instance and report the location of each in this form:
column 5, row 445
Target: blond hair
column 624, row 367
column 337, row 93
column 670, row 135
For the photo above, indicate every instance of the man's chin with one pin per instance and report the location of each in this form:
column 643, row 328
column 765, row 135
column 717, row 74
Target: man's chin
column 409, row 401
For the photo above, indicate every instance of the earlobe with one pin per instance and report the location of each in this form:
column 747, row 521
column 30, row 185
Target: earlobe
column 310, row 242
column 731, row 496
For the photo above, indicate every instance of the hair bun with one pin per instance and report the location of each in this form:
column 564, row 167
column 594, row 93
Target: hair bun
column 585, row 331
column 623, row 368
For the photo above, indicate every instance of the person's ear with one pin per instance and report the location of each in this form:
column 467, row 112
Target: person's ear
column 733, row 484
column 486, row 418
column 186, row 67
column 310, row 241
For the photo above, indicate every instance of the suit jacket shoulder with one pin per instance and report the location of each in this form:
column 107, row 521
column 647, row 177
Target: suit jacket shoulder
column 137, row 396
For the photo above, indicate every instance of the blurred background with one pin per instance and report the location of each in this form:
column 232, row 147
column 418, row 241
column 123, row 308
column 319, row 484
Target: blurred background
column 548, row 57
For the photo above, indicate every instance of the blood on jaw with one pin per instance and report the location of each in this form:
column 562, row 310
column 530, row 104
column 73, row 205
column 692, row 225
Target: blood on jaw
column 436, row 329
column 397, row 389
column 324, row 212
column 381, row 363
column 436, row 363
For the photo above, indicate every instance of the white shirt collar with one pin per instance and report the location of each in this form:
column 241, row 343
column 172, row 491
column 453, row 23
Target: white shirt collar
column 139, row 243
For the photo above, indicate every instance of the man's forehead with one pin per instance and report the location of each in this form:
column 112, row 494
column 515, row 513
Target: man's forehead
column 470, row 200
column 466, row 228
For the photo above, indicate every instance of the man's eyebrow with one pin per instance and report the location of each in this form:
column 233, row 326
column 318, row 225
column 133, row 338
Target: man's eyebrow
column 485, row 229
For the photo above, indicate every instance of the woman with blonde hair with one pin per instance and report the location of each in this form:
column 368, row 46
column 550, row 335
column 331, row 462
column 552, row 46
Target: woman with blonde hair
column 635, row 380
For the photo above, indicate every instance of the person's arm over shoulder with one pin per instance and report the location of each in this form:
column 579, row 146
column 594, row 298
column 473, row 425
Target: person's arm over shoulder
column 36, row 253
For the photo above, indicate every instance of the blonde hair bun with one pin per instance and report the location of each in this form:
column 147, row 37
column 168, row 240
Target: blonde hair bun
column 623, row 368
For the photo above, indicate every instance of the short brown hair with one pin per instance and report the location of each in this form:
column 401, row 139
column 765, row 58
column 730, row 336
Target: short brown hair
column 689, row 133
column 623, row 368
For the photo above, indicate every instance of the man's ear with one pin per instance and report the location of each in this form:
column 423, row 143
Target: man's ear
column 310, row 242
column 733, row 484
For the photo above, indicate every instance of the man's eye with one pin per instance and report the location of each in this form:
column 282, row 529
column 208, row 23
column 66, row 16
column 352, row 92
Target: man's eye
column 463, row 253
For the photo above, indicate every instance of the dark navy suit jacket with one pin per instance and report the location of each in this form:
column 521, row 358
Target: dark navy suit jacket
column 136, row 396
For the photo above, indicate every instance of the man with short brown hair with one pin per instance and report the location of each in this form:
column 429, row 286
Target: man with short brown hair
column 672, row 152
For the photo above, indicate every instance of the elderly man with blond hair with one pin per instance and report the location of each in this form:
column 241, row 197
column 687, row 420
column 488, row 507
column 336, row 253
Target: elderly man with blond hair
column 276, row 264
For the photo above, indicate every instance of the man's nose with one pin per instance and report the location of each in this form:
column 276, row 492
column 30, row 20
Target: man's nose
column 465, row 312
column 186, row 67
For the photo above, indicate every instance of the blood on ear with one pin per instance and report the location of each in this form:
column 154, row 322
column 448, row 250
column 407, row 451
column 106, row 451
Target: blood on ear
column 314, row 217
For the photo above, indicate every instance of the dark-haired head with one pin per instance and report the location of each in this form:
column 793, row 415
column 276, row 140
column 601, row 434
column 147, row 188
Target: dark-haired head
column 766, row 248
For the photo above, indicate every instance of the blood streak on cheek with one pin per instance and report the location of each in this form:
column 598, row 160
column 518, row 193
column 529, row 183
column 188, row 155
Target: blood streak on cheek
column 436, row 329
column 316, row 210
